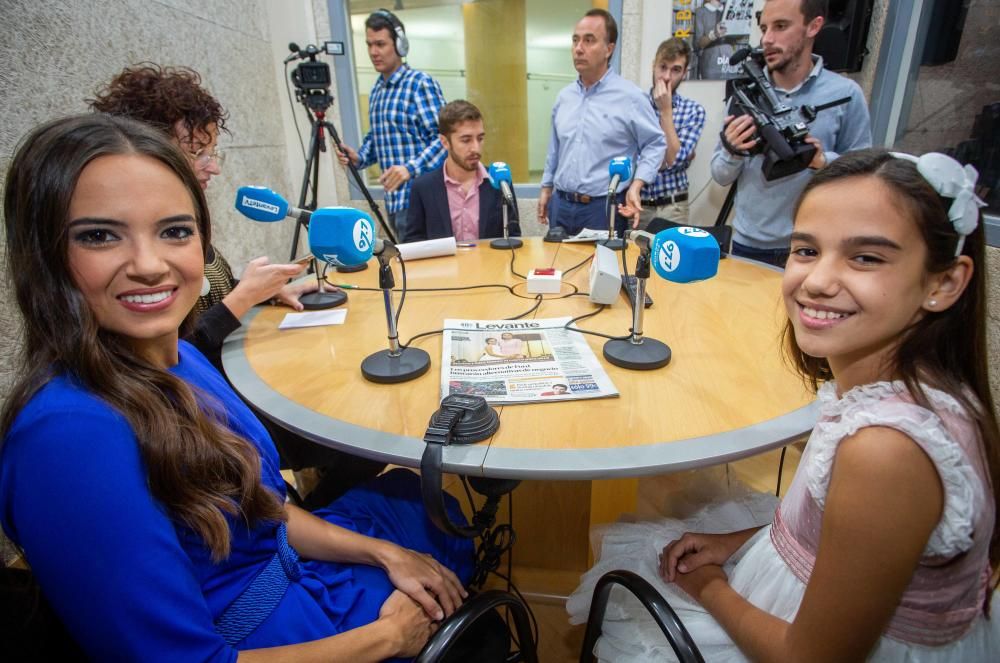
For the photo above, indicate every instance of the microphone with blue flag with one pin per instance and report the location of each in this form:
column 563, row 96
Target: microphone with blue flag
column 339, row 236
column 342, row 236
column 500, row 179
column 262, row 204
column 679, row 255
column 685, row 254
column 619, row 170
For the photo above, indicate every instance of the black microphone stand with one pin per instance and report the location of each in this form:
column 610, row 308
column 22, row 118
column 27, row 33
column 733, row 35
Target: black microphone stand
column 612, row 242
column 638, row 352
column 506, row 242
column 397, row 364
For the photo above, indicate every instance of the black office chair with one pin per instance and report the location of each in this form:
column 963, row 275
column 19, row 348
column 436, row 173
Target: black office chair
column 654, row 603
column 481, row 610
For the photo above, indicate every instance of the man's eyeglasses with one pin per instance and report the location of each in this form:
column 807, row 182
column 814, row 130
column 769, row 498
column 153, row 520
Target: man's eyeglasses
column 203, row 156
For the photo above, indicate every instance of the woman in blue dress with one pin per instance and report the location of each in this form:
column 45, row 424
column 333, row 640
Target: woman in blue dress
column 144, row 494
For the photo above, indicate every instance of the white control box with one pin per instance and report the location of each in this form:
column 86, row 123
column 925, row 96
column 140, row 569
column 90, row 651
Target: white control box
column 605, row 277
column 544, row 281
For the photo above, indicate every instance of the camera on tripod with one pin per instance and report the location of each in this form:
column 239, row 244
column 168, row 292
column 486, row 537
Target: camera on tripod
column 312, row 77
column 781, row 129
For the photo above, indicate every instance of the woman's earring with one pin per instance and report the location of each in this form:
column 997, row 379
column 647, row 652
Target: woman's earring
column 931, row 303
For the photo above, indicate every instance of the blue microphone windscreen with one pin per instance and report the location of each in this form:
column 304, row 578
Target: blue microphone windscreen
column 498, row 172
column 685, row 254
column 341, row 236
column 622, row 167
column 261, row 204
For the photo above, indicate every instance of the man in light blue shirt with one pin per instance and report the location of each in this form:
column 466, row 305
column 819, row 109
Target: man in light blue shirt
column 598, row 117
column 763, row 221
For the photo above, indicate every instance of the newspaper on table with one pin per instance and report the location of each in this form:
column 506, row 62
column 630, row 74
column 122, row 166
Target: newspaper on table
column 515, row 361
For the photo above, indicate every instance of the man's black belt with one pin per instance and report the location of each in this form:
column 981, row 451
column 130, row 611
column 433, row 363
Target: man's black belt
column 665, row 200
column 581, row 198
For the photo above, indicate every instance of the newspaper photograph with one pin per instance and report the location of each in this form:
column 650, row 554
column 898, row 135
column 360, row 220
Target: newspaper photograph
column 520, row 361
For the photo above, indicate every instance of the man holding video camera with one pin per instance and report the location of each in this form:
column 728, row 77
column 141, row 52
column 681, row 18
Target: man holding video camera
column 763, row 219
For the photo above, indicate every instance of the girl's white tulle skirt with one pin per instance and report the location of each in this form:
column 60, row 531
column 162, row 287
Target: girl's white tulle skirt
column 756, row 571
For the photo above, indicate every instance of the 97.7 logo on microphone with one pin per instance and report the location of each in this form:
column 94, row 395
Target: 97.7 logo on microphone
column 669, row 256
column 363, row 235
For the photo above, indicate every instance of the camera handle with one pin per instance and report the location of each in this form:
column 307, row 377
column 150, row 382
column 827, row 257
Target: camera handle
column 729, row 146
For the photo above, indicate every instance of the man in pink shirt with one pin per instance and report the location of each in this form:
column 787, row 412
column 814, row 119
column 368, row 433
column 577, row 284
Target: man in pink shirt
column 457, row 200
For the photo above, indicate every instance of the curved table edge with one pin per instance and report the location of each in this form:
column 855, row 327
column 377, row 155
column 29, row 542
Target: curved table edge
column 485, row 460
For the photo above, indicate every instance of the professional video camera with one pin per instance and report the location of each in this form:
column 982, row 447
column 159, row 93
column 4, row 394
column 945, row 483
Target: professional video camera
column 781, row 129
column 312, row 78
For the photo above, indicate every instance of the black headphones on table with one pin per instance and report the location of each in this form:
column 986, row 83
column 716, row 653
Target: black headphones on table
column 401, row 43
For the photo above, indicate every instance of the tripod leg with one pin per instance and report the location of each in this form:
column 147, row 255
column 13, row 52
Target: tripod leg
column 361, row 185
column 727, row 206
column 311, row 172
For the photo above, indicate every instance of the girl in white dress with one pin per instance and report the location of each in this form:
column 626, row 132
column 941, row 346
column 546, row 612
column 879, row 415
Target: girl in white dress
column 885, row 545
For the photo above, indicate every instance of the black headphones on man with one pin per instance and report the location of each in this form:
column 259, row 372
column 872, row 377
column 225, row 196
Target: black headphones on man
column 401, row 43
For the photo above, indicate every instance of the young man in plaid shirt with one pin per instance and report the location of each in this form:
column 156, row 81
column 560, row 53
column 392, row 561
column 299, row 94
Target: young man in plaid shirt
column 682, row 121
column 403, row 109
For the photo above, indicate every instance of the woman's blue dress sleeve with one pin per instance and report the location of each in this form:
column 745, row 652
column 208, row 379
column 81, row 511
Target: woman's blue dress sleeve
column 73, row 495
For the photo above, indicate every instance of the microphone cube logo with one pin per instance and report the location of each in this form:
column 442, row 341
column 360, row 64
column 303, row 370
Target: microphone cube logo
column 363, row 235
column 669, row 255
column 692, row 232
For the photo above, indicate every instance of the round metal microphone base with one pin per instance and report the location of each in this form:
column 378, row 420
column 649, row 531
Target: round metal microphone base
column 383, row 368
column 509, row 243
column 613, row 244
column 353, row 268
column 317, row 301
column 644, row 356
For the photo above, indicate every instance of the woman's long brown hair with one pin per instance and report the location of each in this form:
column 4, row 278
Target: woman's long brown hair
column 199, row 469
column 945, row 350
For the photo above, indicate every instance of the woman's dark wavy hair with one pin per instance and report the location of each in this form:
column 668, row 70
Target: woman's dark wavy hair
column 947, row 349
column 161, row 96
column 196, row 466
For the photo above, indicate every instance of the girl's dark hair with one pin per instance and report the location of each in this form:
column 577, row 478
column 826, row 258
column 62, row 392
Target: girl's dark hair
column 161, row 96
column 945, row 350
column 196, row 466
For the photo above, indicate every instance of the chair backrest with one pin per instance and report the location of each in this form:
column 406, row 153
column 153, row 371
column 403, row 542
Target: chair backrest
column 469, row 634
column 678, row 637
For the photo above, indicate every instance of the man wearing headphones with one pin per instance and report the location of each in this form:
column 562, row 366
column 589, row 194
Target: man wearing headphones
column 403, row 109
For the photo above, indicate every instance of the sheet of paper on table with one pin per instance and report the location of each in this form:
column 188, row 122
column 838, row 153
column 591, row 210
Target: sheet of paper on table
column 589, row 235
column 335, row 316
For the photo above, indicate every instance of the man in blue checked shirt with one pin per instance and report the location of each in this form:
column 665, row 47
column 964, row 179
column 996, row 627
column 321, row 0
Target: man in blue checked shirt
column 682, row 121
column 596, row 118
column 403, row 109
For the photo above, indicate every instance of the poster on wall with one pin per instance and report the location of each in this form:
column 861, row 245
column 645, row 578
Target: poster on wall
column 715, row 29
